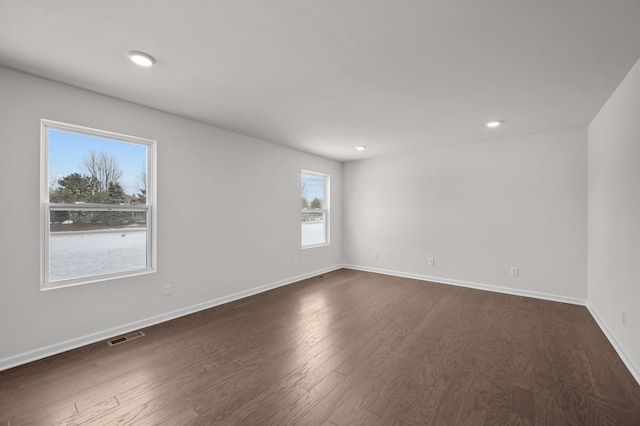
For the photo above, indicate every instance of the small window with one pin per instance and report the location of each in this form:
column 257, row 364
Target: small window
column 315, row 209
column 98, row 191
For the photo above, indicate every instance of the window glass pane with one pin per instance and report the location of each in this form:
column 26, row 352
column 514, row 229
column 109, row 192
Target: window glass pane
column 90, row 243
column 313, row 228
column 314, row 209
column 91, row 169
column 313, row 191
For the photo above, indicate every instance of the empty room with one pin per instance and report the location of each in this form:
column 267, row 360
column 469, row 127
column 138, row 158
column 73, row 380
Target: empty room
column 304, row 212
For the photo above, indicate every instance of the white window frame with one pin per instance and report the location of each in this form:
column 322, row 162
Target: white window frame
column 325, row 210
column 46, row 208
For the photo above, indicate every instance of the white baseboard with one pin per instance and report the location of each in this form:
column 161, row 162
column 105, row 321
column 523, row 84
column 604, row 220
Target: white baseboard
column 58, row 348
column 635, row 372
column 469, row 284
column 37, row 354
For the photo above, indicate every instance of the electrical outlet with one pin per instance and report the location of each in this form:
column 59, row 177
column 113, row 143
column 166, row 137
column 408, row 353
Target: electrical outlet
column 515, row 271
column 168, row 290
column 624, row 318
column 432, row 261
column 295, row 262
column 374, row 255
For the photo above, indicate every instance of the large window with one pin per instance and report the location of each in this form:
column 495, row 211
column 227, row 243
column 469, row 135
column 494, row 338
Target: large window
column 315, row 209
column 98, row 207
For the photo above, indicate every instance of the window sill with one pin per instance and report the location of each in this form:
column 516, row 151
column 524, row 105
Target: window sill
column 314, row 246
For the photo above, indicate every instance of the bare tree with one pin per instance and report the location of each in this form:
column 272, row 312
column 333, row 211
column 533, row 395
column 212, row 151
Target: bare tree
column 303, row 191
column 103, row 167
column 142, row 183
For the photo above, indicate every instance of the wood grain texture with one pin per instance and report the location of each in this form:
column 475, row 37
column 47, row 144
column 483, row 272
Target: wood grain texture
column 344, row 349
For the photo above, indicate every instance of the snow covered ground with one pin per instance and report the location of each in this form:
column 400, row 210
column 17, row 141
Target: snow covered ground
column 312, row 233
column 75, row 255
column 82, row 254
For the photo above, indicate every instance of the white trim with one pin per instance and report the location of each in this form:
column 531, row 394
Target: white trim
column 310, row 246
column 47, row 351
column 325, row 208
column 45, row 208
column 90, row 131
column 635, row 372
column 44, row 199
column 72, row 282
column 469, row 284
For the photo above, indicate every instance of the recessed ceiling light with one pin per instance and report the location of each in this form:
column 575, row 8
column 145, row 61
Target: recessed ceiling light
column 360, row 148
column 492, row 124
column 141, row 58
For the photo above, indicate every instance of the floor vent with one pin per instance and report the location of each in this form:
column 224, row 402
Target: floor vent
column 125, row 338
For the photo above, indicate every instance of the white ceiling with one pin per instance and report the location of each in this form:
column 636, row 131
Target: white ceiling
column 326, row 75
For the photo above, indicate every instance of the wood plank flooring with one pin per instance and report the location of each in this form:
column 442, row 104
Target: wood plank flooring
column 349, row 348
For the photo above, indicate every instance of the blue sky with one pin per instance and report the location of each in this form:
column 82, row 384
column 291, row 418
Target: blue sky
column 314, row 187
column 68, row 150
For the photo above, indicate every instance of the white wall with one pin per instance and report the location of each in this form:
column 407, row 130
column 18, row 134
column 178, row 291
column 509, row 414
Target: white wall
column 478, row 209
column 614, row 215
column 228, row 219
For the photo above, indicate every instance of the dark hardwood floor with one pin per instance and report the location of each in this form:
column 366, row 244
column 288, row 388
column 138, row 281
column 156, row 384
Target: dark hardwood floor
column 348, row 348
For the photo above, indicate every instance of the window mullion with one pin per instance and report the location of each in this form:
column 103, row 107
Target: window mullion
column 97, row 207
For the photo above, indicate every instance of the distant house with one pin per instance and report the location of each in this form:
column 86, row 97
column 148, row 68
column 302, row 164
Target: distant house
column 130, row 199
